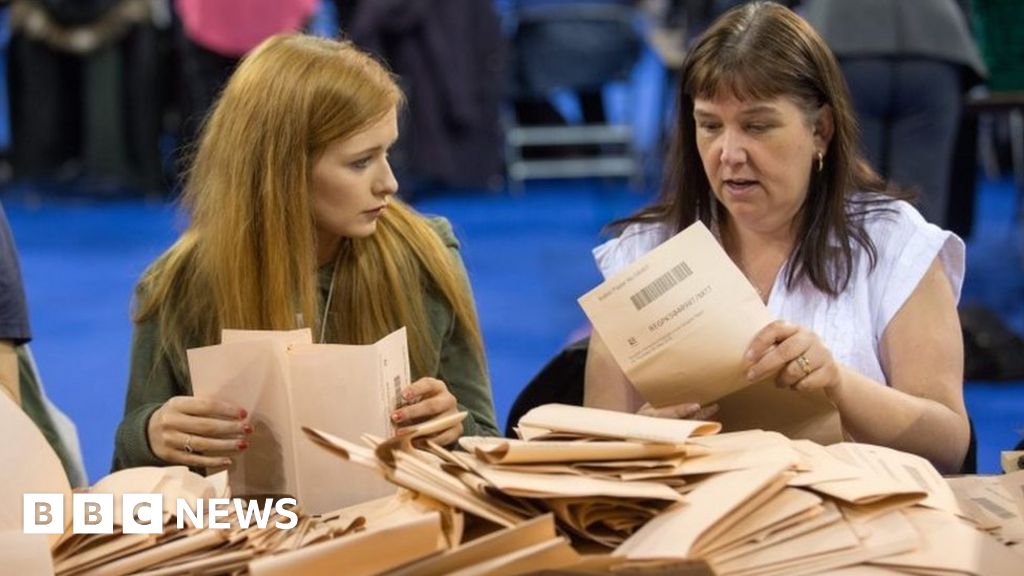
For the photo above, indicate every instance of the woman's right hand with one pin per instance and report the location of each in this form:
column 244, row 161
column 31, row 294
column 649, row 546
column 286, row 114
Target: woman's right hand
column 198, row 432
column 687, row 411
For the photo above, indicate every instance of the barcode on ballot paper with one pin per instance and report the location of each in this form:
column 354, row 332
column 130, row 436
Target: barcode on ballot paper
column 660, row 285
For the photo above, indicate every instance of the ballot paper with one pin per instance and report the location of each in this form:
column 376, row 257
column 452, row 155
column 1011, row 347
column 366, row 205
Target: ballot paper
column 285, row 382
column 678, row 322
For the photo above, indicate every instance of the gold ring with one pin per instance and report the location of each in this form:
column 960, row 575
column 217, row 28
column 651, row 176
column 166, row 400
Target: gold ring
column 804, row 364
column 188, row 444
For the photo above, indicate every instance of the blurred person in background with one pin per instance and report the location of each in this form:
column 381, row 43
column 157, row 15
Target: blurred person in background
column 215, row 34
column 908, row 64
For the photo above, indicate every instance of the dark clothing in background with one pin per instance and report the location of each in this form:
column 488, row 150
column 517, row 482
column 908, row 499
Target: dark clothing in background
column 99, row 111
column 203, row 73
column 908, row 133
column 449, row 57
column 13, row 308
column 908, row 64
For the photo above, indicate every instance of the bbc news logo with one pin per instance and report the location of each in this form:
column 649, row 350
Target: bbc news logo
column 143, row 513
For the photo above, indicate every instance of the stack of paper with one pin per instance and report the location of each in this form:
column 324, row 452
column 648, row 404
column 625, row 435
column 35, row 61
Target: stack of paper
column 183, row 548
column 995, row 504
column 653, row 491
column 32, row 468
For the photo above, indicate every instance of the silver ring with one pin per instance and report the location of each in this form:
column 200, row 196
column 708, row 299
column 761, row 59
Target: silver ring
column 804, row 364
column 188, row 444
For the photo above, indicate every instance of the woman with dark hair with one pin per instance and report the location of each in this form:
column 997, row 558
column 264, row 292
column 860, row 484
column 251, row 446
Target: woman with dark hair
column 766, row 155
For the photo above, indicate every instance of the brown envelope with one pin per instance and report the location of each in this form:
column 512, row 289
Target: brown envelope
column 798, row 415
column 402, row 507
column 950, row 545
column 481, row 550
column 285, row 381
column 830, row 538
column 527, row 485
column 822, row 466
column 179, row 548
column 419, row 477
column 989, row 501
column 787, row 504
column 677, row 531
column 25, row 553
column 252, row 373
column 901, row 472
column 803, row 524
column 368, row 553
column 31, row 466
column 678, row 320
column 505, row 451
column 880, row 537
column 611, row 424
column 606, row 521
column 550, row 555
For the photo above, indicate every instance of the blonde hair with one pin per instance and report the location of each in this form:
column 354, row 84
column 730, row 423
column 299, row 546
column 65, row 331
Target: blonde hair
column 248, row 258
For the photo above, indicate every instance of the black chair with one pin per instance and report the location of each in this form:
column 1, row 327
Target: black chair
column 970, row 465
column 560, row 380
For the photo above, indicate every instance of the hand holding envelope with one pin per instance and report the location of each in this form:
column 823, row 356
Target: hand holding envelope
column 678, row 322
column 285, row 381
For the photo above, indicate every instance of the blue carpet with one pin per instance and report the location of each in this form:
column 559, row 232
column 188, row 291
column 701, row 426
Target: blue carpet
column 528, row 257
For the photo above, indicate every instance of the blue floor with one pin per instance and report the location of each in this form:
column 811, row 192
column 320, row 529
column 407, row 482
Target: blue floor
column 528, row 259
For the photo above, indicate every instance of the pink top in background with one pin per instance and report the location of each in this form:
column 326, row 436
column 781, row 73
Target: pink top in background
column 233, row 27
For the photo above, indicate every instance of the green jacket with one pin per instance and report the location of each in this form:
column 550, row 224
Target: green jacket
column 153, row 380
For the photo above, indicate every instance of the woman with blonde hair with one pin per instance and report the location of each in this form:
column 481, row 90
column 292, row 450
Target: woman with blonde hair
column 294, row 223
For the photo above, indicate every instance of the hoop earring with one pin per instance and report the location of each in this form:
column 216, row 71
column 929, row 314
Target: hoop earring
column 821, row 161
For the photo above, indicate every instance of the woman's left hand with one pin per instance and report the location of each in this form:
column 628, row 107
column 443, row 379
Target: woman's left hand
column 796, row 358
column 428, row 398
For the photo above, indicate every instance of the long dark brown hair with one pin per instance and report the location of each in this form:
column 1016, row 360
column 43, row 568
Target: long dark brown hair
column 761, row 51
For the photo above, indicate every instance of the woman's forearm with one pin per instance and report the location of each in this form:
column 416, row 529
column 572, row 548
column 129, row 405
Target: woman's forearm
column 874, row 413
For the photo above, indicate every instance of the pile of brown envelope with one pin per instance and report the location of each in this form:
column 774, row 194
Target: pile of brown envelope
column 33, row 468
column 650, row 491
column 186, row 550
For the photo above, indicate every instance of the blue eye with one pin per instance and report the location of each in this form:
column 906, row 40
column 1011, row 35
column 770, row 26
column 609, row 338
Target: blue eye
column 362, row 163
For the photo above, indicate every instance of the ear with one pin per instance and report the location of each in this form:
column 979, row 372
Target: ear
column 824, row 127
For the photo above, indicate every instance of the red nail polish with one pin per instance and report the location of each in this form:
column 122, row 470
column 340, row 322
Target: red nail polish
column 242, row 414
column 247, row 429
column 396, row 416
column 242, row 445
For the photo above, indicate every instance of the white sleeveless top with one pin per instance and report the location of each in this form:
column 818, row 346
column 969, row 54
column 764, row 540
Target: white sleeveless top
column 852, row 324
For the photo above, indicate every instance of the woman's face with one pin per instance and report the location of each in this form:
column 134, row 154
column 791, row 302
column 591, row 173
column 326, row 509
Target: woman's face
column 352, row 182
column 758, row 157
